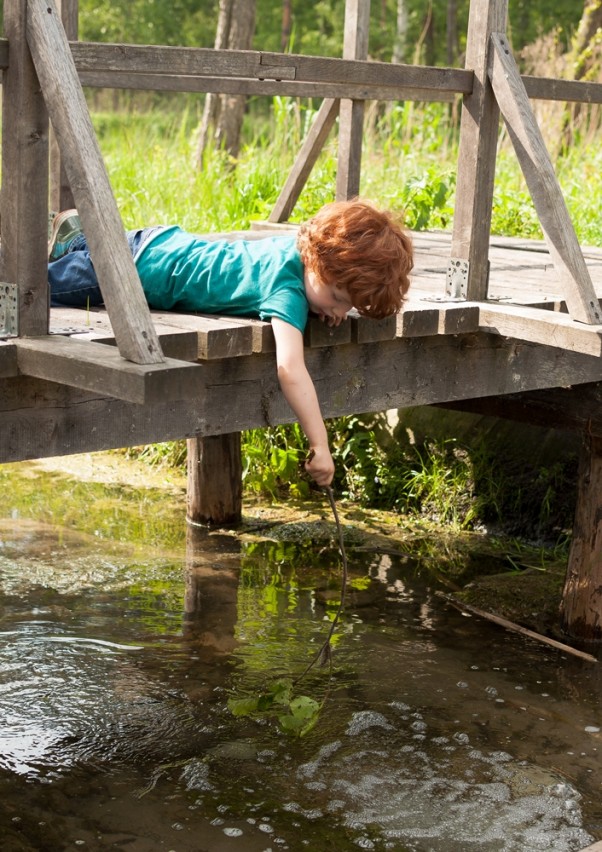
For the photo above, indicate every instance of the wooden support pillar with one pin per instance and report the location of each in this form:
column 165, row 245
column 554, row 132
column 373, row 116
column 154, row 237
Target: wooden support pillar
column 24, row 193
column 351, row 112
column 61, row 197
column 582, row 596
column 214, row 479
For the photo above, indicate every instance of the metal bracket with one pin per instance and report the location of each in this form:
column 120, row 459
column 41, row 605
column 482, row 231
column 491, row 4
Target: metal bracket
column 456, row 282
column 9, row 314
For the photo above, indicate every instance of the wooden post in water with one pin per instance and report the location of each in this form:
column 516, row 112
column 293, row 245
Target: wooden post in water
column 214, row 479
column 582, row 596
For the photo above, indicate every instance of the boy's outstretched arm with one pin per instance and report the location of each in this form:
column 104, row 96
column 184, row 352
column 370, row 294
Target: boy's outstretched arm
column 300, row 393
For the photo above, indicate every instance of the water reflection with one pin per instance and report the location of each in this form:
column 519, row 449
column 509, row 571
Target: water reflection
column 438, row 732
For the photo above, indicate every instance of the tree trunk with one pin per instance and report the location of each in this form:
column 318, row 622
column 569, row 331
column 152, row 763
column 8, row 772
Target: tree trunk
column 401, row 33
column 223, row 114
column 285, row 33
column 582, row 596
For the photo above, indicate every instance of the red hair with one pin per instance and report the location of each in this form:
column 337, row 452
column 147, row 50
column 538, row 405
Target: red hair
column 361, row 249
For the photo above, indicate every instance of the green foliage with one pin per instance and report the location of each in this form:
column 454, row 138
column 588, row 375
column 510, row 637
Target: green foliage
column 296, row 715
column 273, row 461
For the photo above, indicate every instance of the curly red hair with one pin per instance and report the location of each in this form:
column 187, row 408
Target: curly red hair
column 355, row 246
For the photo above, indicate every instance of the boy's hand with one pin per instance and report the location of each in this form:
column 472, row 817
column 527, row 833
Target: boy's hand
column 320, row 465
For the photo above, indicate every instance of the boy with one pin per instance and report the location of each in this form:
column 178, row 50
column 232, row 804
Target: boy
column 350, row 254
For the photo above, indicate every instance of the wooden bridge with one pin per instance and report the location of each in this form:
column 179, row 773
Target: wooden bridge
column 499, row 324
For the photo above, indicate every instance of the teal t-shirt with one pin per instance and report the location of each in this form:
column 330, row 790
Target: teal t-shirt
column 250, row 278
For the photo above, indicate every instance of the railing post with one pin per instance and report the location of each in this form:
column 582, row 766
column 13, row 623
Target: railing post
column 468, row 270
column 61, row 197
column 24, row 193
column 351, row 113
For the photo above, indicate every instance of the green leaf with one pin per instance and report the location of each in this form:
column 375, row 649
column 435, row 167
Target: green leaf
column 303, row 715
column 242, row 706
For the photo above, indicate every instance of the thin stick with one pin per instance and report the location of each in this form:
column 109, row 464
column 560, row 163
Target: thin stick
column 524, row 631
column 323, row 654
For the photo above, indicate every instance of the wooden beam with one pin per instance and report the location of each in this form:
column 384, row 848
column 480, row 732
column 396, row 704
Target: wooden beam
column 41, row 418
column 24, row 193
column 547, row 328
column 119, row 282
column 477, row 154
column 542, row 182
column 306, row 159
column 351, row 112
column 101, row 369
column 134, row 59
column 248, row 86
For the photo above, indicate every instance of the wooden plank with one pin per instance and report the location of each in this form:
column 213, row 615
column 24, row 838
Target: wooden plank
column 366, row 330
column 119, row 282
column 351, row 112
column 136, row 59
column 99, row 368
column 305, row 161
column 40, row 419
column 23, row 204
column 248, row 86
column 551, row 89
column 477, row 151
column 540, row 326
column 8, row 360
column 544, row 187
column 218, row 337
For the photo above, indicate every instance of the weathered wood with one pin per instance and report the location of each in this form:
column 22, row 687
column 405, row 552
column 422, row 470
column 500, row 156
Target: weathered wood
column 351, row 112
column 136, row 59
column 540, row 326
column 306, row 159
column 214, row 488
column 518, row 628
column 574, row 409
column 24, row 192
column 477, row 151
column 99, row 368
column 119, row 282
column 542, row 182
column 61, row 197
column 39, row 419
column 246, row 86
column 582, row 595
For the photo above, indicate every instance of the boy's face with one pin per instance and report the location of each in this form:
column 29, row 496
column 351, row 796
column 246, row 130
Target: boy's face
column 330, row 303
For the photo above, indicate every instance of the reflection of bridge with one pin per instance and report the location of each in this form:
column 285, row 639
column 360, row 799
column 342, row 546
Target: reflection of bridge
column 485, row 319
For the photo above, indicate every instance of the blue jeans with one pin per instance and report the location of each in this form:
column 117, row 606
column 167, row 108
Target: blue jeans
column 72, row 277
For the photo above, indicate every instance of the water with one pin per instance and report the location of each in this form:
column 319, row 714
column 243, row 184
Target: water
column 118, row 658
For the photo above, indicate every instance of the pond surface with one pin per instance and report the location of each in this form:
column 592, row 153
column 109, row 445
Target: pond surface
column 119, row 657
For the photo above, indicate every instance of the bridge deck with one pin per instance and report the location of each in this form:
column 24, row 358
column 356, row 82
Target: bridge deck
column 55, row 399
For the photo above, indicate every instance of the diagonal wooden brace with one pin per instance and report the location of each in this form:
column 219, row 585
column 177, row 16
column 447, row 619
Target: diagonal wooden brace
column 538, row 170
column 121, row 289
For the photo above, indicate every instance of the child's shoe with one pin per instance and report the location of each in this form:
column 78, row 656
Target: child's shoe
column 65, row 227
